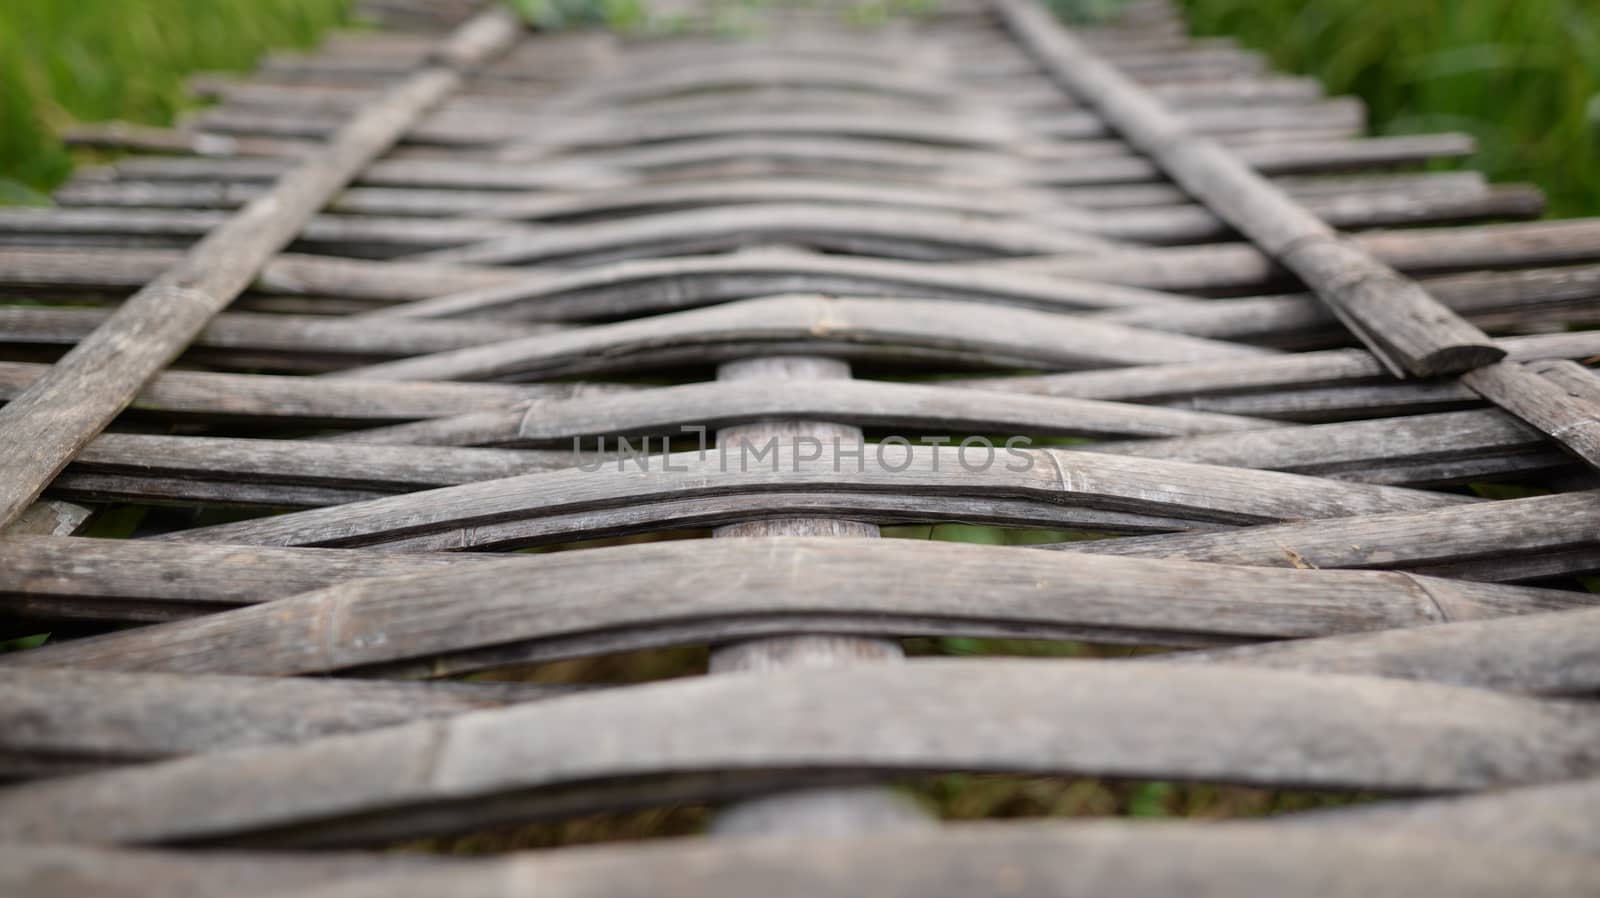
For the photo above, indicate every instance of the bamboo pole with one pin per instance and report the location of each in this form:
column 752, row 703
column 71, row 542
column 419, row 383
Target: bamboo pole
column 97, row 379
column 1401, row 323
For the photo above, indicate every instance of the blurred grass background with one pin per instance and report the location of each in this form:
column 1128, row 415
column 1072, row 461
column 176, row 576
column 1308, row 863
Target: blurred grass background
column 1523, row 77
column 89, row 60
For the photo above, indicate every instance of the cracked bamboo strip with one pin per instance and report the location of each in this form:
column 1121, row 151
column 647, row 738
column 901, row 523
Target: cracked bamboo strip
column 1229, row 724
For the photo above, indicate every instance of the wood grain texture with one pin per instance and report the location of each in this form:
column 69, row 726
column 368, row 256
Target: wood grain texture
column 556, row 205
column 812, row 812
column 911, row 234
column 49, row 517
column 837, row 156
column 474, row 617
column 1472, row 542
column 1329, row 369
column 99, row 377
column 989, row 335
column 1022, row 487
column 1560, row 398
column 1231, row 267
column 645, row 286
column 1110, row 858
column 1521, row 300
column 1542, row 653
column 906, row 407
column 1206, row 723
column 304, row 342
column 1333, row 859
column 142, row 580
column 66, row 871
column 1405, row 327
column 1554, row 819
column 281, row 473
column 100, row 270
column 64, row 721
column 251, row 396
column 1443, row 448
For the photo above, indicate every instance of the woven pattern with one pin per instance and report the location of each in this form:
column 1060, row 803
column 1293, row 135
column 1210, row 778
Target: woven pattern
column 1239, row 376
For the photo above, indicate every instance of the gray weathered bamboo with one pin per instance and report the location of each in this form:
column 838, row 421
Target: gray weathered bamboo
column 1405, row 327
column 97, row 379
column 1213, row 723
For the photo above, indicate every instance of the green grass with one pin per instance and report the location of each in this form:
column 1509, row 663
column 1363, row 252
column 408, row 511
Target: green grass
column 89, row 60
column 1523, row 76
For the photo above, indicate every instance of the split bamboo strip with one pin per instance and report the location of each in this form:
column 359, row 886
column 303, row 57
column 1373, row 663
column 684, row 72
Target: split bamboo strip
column 97, row 379
column 1402, row 325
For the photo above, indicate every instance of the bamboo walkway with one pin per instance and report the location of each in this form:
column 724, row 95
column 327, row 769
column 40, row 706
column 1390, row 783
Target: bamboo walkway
column 391, row 306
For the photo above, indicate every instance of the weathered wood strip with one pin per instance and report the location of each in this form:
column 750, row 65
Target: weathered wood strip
column 1434, row 448
column 300, row 399
column 70, row 871
column 1549, row 653
column 1402, row 325
column 1411, row 847
column 1194, row 722
column 644, row 286
column 897, row 233
column 1268, row 158
column 1330, row 368
column 346, row 234
column 188, row 492
column 1560, row 398
column 1119, row 859
column 670, row 411
column 1051, row 164
column 727, row 75
column 1521, row 299
column 1195, row 224
column 814, row 811
column 995, row 335
column 548, row 205
column 97, row 379
column 627, row 288
column 1230, row 267
column 575, row 131
column 558, row 205
column 141, row 580
column 1314, row 404
column 1138, row 196
column 1226, row 268
column 144, row 138
column 1471, row 541
column 94, row 270
column 90, row 191
column 244, row 472
column 587, row 604
column 1042, row 484
column 315, row 339
column 49, row 517
column 64, row 721
column 443, row 173
column 565, row 174
column 1556, row 818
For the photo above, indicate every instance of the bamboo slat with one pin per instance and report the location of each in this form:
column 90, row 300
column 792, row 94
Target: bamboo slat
column 81, row 394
